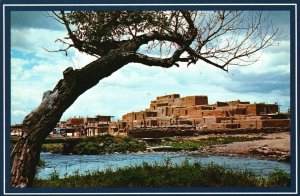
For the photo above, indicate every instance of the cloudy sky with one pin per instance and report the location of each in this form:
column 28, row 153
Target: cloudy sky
column 34, row 71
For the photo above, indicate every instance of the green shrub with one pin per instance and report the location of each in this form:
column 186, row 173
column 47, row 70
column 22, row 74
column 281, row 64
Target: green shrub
column 167, row 174
column 278, row 178
column 87, row 148
column 41, row 163
column 108, row 144
column 53, row 148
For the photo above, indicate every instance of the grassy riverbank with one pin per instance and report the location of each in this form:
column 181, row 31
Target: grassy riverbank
column 190, row 145
column 168, row 175
column 98, row 145
column 110, row 144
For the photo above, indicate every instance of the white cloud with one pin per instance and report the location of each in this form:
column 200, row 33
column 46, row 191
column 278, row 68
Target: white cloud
column 273, row 59
column 80, row 59
column 134, row 86
column 18, row 113
column 34, row 40
column 18, row 116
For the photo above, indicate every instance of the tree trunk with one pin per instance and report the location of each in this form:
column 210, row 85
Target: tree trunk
column 41, row 121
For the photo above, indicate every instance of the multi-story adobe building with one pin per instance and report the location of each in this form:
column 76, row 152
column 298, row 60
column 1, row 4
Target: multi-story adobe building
column 98, row 125
column 194, row 112
column 84, row 126
column 172, row 111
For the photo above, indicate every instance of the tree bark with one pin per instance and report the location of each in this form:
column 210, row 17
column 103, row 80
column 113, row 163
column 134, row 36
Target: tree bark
column 41, row 121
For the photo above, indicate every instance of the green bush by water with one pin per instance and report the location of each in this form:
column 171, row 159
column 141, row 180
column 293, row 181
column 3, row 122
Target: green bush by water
column 98, row 145
column 53, row 148
column 41, row 163
column 109, row 144
column 168, row 175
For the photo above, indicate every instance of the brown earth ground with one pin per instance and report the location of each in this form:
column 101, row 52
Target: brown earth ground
column 274, row 146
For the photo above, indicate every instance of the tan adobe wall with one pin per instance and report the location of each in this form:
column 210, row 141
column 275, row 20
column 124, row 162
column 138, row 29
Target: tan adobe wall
column 261, row 109
column 246, row 124
column 162, row 104
column 272, row 108
column 257, row 109
column 184, row 122
column 199, row 111
column 255, row 117
column 237, row 102
column 222, row 126
column 209, row 120
column 174, row 102
column 153, row 105
column 233, row 103
column 197, row 121
column 112, row 128
column 75, row 121
column 214, row 126
column 195, row 112
column 101, row 118
column 89, row 119
column 139, row 116
column 162, row 111
column 138, row 123
column 193, row 100
column 174, row 111
column 151, row 114
column 207, row 107
column 168, row 96
column 142, row 115
column 151, row 122
column 161, row 122
column 128, row 116
column 239, row 119
column 221, row 104
column 251, row 109
column 183, row 111
column 232, row 126
column 240, row 111
column 276, row 123
column 216, row 112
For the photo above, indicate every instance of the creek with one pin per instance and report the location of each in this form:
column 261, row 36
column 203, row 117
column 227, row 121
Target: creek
column 66, row 165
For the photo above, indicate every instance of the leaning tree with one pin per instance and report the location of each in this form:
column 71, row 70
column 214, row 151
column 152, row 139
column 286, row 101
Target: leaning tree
column 116, row 38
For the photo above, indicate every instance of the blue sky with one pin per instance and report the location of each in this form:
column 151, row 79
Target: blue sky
column 34, row 71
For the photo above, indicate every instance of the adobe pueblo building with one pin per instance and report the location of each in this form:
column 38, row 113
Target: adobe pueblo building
column 194, row 113
column 172, row 113
column 84, row 126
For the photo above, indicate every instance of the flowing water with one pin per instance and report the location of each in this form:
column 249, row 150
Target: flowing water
column 66, row 165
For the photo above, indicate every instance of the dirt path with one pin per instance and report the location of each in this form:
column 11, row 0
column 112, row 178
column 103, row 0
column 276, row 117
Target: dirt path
column 275, row 146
